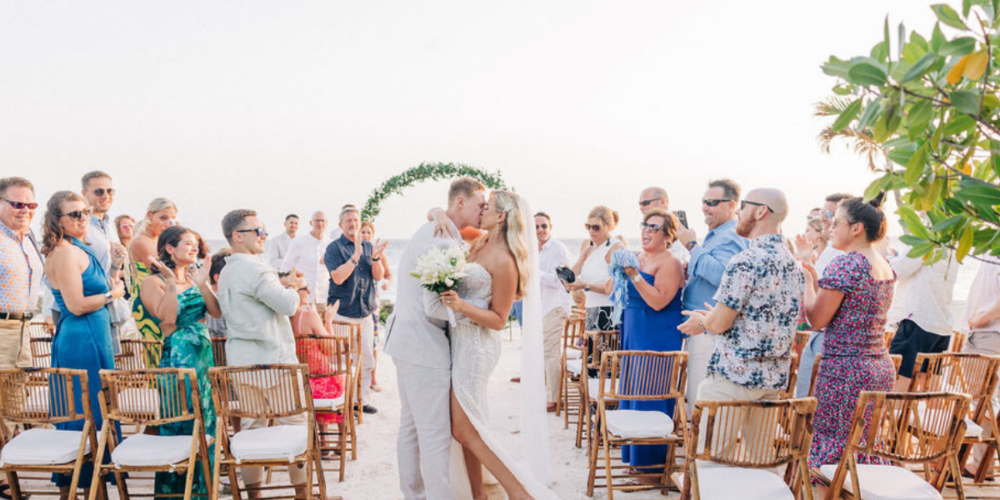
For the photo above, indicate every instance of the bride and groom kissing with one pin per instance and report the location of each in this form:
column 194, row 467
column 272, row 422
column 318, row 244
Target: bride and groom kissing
column 443, row 371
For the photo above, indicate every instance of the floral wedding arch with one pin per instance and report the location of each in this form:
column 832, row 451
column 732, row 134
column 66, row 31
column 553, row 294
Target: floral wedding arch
column 425, row 172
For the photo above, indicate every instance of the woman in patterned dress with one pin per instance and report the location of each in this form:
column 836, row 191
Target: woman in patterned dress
column 160, row 215
column 178, row 297
column 851, row 302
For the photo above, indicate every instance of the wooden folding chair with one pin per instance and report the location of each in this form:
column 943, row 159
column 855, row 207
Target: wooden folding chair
column 957, row 341
column 41, row 352
column 153, row 397
column 219, row 351
column 329, row 356
column 353, row 332
column 897, row 360
column 638, row 376
column 801, row 339
column 266, row 392
column 40, row 330
column 595, row 345
column 793, row 377
column 136, row 352
column 902, row 428
column 734, row 442
column 571, row 365
column 972, row 374
column 41, row 398
column 889, row 334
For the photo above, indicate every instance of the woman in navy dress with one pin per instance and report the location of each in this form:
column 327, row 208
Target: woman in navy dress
column 81, row 289
column 651, row 317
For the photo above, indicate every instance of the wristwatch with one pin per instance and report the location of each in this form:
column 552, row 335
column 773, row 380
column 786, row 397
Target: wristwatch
column 354, row 261
column 108, row 297
column 376, row 259
column 636, row 279
column 586, row 288
column 691, row 244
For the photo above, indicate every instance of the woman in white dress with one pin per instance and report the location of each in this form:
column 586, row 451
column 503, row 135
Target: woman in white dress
column 500, row 271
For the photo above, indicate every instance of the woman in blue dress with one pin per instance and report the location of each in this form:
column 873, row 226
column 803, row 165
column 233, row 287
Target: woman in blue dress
column 650, row 320
column 179, row 297
column 81, row 289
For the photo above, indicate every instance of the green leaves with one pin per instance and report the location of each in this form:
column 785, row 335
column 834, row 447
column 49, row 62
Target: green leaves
column 965, row 101
column 958, row 47
column 915, row 167
column 947, row 15
column 847, row 116
column 920, row 67
column 867, row 74
column 424, row 172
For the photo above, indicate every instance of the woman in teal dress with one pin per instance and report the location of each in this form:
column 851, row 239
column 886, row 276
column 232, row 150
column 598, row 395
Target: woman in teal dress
column 179, row 298
column 81, row 290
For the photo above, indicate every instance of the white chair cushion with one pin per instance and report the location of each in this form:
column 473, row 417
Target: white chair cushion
column 575, row 366
column 726, row 483
column 328, row 404
column 636, row 424
column 43, row 447
column 573, row 353
column 280, row 441
column 973, row 430
column 143, row 450
column 592, row 385
column 886, row 482
column 139, row 400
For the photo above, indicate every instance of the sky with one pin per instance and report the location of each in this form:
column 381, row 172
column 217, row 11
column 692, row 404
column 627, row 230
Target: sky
column 293, row 106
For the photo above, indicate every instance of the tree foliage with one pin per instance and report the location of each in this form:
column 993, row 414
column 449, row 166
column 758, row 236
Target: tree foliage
column 424, row 172
column 924, row 111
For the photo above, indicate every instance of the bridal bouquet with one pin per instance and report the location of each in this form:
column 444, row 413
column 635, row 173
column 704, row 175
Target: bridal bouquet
column 440, row 270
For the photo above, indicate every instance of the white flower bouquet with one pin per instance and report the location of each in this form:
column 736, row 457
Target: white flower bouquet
column 440, row 270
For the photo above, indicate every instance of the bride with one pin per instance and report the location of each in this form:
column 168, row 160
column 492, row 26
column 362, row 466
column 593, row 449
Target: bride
column 502, row 268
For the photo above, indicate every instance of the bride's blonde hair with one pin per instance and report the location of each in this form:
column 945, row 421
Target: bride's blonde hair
column 513, row 229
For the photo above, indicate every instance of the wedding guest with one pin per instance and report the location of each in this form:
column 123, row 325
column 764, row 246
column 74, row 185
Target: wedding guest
column 277, row 247
column 257, row 305
column 100, row 195
column 850, row 301
column 814, row 213
column 757, row 308
column 552, row 253
column 921, row 310
column 305, row 254
column 81, row 290
column 217, row 326
column 815, row 344
column 812, row 242
column 705, row 269
column 368, row 234
column 337, row 232
column 180, row 298
column 981, row 321
column 124, row 224
column 651, row 317
column 307, row 322
column 20, row 272
column 160, row 214
column 354, row 266
column 656, row 197
column 591, row 268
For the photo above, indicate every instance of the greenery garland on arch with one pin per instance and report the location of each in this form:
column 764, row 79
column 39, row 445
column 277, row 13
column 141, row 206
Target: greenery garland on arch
column 424, row 172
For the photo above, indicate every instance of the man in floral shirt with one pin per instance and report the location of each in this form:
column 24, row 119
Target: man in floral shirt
column 759, row 301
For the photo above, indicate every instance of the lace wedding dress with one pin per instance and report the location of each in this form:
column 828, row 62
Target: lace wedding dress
column 475, row 352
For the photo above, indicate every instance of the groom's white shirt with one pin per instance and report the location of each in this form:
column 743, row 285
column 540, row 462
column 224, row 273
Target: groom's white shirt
column 413, row 336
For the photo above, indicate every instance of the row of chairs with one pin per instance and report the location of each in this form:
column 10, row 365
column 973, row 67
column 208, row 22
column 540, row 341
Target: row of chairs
column 594, row 401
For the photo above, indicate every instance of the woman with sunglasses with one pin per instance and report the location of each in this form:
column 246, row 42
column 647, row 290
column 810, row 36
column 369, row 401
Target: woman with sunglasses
column 649, row 322
column 160, row 215
column 178, row 296
column 81, row 290
column 591, row 268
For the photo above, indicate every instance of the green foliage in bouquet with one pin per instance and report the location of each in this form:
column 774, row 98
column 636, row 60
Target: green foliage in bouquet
column 424, row 172
column 924, row 111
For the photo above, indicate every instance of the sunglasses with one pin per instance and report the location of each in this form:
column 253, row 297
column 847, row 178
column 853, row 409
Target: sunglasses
column 652, row 227
column 592, row 227
column 78, row 215
column 19, row 205
column 646, row 203
column 259, row 230
column 709, row 202
column 744, row 203
column 826, row 213
column 101, row 192
column 541, row 226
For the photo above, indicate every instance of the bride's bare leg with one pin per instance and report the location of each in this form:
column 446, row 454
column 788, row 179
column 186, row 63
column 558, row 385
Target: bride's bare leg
column 467, row 435
column 475, row 471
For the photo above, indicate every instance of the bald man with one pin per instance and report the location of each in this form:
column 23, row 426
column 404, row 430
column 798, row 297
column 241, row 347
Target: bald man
column 656, row 197
column 757, row 308
column 305, row 255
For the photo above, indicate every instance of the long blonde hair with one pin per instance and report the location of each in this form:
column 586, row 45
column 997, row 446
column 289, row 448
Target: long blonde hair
column 514, row 232
column 154, row 206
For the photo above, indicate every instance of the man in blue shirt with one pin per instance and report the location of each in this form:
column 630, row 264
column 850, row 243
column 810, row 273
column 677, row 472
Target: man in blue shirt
column 354, row 266
column 708, row 261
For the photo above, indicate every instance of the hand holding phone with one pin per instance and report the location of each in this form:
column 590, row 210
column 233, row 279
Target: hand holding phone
column 682, row 218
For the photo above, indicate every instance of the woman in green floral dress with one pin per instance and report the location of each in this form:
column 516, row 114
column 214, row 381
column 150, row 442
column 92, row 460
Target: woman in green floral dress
column 179, row 298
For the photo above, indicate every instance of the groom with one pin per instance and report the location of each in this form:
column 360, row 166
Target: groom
column 420, row 349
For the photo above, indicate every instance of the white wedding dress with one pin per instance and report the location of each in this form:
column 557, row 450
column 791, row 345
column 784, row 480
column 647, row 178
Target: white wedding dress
column 475, row 352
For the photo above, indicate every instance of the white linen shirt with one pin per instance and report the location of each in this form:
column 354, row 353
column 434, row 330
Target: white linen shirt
column 554, row 295
column 277, row 249
column 305, row 254
column 825, row 258
column 923, row 293
column 256, row 308
column 984, row 293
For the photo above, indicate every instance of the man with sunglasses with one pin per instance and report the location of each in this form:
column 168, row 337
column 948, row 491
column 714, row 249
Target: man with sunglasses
column 704, row 272
column 101, row 235
column 656, row 197
column 552, row 253
column 20, row 271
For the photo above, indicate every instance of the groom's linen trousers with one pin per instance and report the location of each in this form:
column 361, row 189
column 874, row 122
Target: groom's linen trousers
column 424, row 445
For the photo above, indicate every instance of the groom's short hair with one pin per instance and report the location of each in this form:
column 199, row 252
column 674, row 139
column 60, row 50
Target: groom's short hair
column 463, row 186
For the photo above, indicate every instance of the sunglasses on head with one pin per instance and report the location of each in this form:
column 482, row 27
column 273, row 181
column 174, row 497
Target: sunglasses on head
column 646, row 203
column 101, row 192
column 541, row 226
column 259, row 230
column 744, row 203
column 651, row 227
column 78, row 215
column 709, row 202
column 20, row 205
column 592, row 227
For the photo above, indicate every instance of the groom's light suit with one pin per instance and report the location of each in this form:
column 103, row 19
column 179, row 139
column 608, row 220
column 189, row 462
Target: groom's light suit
column 420, row 349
